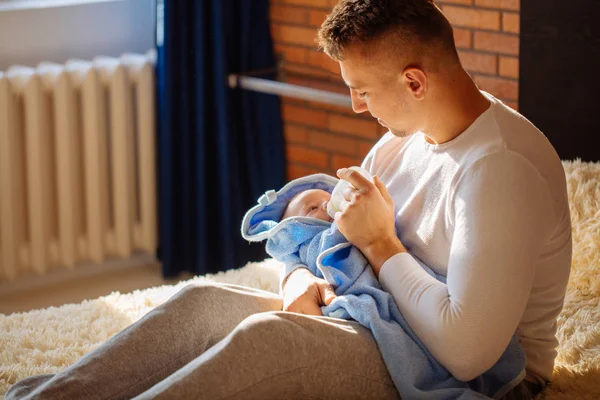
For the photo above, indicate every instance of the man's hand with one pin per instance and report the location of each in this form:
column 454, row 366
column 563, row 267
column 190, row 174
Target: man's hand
column 367, row 218
column 304, row 293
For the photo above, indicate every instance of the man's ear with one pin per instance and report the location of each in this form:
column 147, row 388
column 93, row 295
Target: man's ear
column 415, row 82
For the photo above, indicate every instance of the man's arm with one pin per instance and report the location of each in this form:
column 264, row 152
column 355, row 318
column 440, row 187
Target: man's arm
column 501, row 208
column 382, row 250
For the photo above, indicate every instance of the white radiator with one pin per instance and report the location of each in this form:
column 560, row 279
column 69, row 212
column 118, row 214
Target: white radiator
column 77, row 164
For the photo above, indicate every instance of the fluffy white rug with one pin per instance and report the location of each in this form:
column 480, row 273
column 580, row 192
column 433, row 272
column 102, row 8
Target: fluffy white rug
column 46, row 341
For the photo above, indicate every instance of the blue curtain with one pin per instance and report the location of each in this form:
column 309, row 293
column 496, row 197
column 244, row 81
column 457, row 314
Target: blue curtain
column 218, row 148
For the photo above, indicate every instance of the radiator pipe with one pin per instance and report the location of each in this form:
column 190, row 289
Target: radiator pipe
column 288, row 89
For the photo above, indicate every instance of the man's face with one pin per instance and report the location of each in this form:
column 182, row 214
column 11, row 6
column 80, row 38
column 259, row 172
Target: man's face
column 376, row 85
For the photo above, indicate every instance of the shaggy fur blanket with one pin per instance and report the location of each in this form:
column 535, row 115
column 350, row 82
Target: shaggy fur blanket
column 46, row 341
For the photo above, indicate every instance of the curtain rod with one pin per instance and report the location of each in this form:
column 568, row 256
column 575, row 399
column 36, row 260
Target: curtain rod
column 288, row 89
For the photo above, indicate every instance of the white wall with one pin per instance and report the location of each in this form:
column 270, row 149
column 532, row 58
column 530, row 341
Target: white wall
column 83, row 31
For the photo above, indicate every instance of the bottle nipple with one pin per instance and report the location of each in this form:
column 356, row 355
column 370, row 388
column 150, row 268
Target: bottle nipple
column 337, row 195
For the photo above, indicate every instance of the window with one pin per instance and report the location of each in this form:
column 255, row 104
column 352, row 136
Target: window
column 28, row 4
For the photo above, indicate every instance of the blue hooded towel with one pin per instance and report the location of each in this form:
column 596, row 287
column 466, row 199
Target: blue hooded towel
column 319, row 245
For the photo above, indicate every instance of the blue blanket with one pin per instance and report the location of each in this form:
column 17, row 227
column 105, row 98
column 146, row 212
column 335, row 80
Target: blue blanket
column 319, row 245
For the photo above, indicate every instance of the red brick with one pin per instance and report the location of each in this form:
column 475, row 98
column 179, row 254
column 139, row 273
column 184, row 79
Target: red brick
column 294, row 101
column 309, row 3
column 330, row 107
column 381, row 130
column 295, row 134
column 472, row 18
column 291, row 53
column 478, row 62
column 322, row 61
column 316, row 17
column 509, row 67
column 511, row 22
column 307, row 70
column 294, row 15
column 333, row 143
column 304, row 155
column 364, row 148
column 507, row 89
column 305, row 116
column 463, row 38
column 497, row 42
column 335, row 84
column 501, row 4
column 352, row 126
column 293, row 34
column 295, row 171
column 338, row 162
column 513, row 104
column 465, row 2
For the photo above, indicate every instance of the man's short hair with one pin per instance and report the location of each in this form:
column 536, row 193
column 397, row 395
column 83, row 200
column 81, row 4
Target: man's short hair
column 410, row 22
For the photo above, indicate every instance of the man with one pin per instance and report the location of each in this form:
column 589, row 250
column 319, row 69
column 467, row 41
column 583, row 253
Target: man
column 476, row 192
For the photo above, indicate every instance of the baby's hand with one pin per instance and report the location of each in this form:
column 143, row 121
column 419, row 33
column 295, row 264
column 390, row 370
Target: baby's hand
column 304, row 293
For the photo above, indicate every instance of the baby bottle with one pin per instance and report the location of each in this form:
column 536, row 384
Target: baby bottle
column 337, row 195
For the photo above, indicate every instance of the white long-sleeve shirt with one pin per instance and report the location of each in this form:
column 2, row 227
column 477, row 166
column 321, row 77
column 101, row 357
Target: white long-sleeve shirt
column 489, row 209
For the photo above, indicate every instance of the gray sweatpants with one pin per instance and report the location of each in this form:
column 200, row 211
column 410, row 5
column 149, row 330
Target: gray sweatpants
column 218, row 341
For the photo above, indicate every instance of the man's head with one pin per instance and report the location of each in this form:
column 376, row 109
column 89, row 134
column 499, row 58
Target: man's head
column 309, row 203
column 391, row 53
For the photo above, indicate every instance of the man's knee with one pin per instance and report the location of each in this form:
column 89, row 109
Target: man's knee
column 198, row 292
column 269, row 334
column 271, row 324
column 200, row 288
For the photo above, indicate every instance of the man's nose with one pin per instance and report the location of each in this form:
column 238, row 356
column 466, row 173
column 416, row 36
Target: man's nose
column 358, row 105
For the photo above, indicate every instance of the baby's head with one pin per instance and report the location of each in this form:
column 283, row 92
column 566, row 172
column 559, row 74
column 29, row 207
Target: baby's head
column 309, row 203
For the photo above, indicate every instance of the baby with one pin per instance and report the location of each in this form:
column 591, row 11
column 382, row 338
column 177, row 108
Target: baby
column 319, row 203
column 309, row 203
column 317, row 244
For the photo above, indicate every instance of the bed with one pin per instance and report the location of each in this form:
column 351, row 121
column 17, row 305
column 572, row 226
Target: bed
column 48, row 340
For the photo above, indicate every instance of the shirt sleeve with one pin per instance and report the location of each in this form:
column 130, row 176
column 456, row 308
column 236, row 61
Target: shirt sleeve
column 500, row 210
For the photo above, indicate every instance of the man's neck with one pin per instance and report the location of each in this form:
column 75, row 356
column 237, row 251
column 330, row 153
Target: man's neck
column 458, row 106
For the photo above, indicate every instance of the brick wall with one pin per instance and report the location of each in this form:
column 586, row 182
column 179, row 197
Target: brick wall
column 323, row 138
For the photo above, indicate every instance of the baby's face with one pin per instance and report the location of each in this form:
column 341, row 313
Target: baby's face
column 309, row 203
